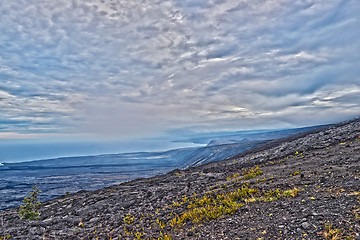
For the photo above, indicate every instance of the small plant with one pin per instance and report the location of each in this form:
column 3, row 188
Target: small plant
column 139, row 235
column 233, row 176
column 160, row 223
column 252, row 172
column 30, row 209
column 272, row 195
column 332, row 233
column 295, row 173
column 264, row 179
column 129, row 219
column 291, row 193
column 164, row 236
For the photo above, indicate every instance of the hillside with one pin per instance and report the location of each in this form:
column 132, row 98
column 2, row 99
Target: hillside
column 306, row 186
column 56, row 177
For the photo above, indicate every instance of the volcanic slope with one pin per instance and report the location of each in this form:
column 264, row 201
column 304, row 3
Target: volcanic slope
column 302, row 187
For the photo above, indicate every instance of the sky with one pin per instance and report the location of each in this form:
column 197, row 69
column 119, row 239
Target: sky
column 123, row 70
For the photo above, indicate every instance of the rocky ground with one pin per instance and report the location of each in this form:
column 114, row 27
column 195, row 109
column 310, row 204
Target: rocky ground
column 302, row 187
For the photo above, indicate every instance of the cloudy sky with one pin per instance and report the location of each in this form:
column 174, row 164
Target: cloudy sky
column 121, row 68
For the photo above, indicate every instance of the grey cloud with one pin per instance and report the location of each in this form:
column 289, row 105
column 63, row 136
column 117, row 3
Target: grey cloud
column 202, row 61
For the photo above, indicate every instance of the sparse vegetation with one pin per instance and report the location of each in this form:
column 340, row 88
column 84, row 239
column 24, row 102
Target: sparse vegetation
column 295, row 173
column 235, row 175
column 30, row 210
column 179, row 174
column 264, row 179
column 252, row 172
column 332, row 233
column 129, row 219
column 291, row 193
column 356, row 210
column 235, row 194
column 199, row 208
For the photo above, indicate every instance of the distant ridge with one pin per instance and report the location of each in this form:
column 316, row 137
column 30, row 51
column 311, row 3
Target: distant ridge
column 295, row 136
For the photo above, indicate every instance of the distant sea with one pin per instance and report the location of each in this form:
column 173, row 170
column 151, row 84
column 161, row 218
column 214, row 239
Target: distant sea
column 18, row 150
column 56, row 177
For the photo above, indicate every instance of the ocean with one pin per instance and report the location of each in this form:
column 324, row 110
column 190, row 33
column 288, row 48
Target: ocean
column 56, row 177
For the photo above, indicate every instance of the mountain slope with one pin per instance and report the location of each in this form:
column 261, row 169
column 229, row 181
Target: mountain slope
column 55, row 177
column 306, row 187
column 58, row 176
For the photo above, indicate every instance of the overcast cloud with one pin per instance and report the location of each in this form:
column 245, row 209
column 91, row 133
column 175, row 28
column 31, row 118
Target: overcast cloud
column 136, row 68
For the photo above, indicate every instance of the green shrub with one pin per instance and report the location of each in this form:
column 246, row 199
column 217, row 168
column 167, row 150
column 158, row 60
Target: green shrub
column 252, row 172
column 30, row 209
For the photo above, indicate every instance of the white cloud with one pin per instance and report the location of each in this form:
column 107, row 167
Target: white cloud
column 155, row 64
